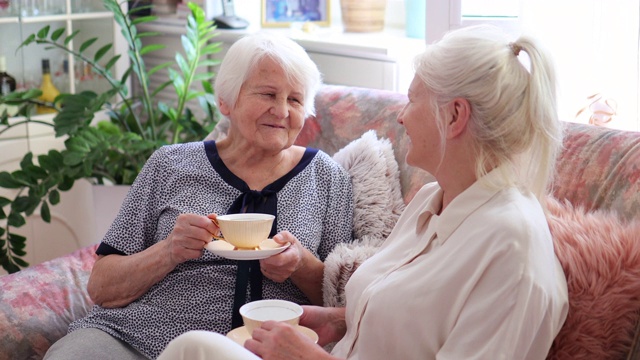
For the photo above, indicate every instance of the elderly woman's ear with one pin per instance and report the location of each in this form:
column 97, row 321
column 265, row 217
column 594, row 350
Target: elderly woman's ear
column 224, row 108
column 459, row 111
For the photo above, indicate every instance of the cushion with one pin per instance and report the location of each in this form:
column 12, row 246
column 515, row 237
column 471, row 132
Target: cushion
column 598, row 169
column 600, row 255
column 378, row 204
column 38, row 303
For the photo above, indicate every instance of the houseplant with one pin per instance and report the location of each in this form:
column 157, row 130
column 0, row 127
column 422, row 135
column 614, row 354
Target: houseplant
column 108, row 151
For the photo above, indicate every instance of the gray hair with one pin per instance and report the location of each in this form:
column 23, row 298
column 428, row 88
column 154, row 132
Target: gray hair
column 514, row 120
column 245, row 53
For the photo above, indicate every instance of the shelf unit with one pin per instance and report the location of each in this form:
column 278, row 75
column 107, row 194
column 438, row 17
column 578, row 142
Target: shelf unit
column 72, row 221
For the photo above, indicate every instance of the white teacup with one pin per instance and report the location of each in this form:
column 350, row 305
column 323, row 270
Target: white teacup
column 257, row 312
column 244, row 231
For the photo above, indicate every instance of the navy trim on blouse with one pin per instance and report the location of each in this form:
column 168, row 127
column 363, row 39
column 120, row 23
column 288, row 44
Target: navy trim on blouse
column 264, row 201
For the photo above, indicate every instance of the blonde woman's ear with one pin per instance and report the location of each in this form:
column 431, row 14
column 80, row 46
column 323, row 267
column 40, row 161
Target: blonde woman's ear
column 459, row 113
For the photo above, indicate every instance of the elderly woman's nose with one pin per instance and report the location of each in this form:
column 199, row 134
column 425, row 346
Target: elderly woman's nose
column 280, row 108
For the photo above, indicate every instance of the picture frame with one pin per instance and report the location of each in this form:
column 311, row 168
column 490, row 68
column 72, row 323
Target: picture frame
column 282, row 13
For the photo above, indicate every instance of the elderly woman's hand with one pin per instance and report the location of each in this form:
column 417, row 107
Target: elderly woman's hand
column 189, row 236
column 280, row 267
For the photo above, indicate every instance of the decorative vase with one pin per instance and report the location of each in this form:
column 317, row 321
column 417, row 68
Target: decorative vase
column 363, row 15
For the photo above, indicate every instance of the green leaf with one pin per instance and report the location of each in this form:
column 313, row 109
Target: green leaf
column 211, row 49
column 149, row 48
column 141, row 8
column 161, row 87
column 27, row 41
column 23, row 177
column 86, row 44
column 56, row 158
column 100, row 53
column 36, row 172
column 189, row 47
column 143, row 19
column 47, row 163
column 4, row 201
column 56, row 34
column 74, row 158
column 204, row 76
column 54, row 197
column 27, row 160
column 22, row 203
column 68, row 39
column 206, row 85
column 15, row 219
column 159, row 67
column 112, row 62
column 178, row 81
column 183, row 65
column 17, row 250
column 8, row 181
column 20, row 262
column 66, row 184
column 42, row 34
column 31, row 94
column 45, row 213
column 148, row 33
column 212, row 62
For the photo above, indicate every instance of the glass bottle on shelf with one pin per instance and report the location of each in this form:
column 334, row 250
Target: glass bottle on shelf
column 61, row 77
column 7, row 82
column 7, row 85
column 49, row 91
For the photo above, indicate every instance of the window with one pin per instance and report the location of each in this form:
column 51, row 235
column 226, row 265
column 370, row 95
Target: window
column 594, row 44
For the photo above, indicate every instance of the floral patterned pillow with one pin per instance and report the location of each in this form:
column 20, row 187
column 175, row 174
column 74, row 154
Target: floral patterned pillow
column 38, row 303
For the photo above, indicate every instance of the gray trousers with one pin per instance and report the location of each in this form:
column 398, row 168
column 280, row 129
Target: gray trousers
column 91, row 344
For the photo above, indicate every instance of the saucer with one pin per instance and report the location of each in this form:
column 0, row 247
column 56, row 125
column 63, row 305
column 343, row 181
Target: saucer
column 241, row 334
column 267, row 248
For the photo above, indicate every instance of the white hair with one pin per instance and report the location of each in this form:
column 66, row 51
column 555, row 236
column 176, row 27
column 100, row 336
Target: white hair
column 514, row 120
column 245, row 53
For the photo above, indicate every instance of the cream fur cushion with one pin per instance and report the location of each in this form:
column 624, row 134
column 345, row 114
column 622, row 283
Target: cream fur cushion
column 378, row 204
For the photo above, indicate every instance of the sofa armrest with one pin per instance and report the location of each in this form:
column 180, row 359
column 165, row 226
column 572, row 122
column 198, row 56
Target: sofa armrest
column 38, row 303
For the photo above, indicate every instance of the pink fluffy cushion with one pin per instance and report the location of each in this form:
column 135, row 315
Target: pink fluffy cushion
column 600, row 256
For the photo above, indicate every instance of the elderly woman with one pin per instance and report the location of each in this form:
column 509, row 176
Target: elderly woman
column 469, row 271
column 154, row 280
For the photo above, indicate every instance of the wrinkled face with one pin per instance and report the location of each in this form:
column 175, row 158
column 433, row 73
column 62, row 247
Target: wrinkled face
column 269, row 112
column 418, row 118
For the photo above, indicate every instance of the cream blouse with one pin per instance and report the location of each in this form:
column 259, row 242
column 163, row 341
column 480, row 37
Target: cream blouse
column 479, row 281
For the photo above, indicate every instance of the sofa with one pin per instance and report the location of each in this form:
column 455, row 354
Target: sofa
column 593, row 216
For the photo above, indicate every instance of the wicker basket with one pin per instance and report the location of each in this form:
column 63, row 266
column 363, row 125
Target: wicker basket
column 363, row 15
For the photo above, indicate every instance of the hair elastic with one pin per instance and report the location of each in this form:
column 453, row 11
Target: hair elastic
column 515, row 48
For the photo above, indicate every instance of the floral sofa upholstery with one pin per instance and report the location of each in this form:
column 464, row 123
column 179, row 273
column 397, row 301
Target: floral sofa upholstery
column 594, row 214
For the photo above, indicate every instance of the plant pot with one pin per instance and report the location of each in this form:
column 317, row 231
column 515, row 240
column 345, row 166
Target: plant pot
column 363, row 15
column 107, row 200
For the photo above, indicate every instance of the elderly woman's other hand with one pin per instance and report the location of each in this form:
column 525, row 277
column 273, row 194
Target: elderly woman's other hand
column 189, row 236
column 280, row 267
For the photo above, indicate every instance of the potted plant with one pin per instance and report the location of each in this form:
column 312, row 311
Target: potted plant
column 108, row 151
